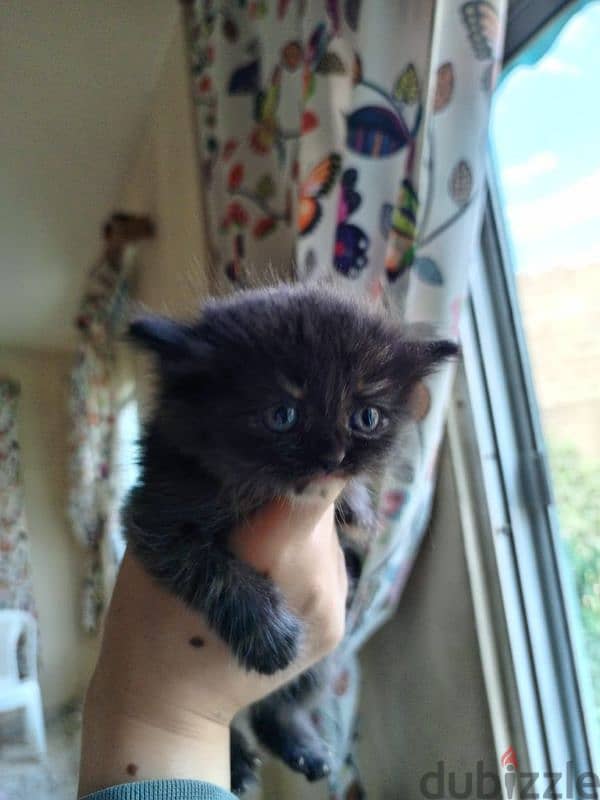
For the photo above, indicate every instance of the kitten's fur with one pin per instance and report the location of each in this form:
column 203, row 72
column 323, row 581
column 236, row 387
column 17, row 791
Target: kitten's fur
column 209, row 459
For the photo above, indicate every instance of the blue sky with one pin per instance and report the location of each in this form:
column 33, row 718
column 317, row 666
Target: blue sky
column 546, row 131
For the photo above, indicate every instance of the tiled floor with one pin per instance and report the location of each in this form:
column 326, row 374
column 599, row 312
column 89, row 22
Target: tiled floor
column 24, row 778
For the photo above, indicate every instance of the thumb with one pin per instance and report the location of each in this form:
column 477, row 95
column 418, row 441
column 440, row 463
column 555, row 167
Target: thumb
column 284, row 525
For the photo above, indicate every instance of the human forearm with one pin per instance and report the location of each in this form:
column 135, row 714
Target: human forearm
column 166, row 687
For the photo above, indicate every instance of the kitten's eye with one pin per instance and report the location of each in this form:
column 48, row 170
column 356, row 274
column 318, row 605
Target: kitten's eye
column 365, row 420
column 281, row 418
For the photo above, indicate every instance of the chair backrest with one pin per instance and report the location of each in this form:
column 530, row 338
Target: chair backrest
column 17, row 626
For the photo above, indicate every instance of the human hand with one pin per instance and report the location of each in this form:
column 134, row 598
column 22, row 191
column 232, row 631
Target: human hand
column 166, row 687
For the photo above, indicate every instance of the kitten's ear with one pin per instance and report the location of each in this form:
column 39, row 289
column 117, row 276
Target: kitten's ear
column 420, row 358
column 175, row 343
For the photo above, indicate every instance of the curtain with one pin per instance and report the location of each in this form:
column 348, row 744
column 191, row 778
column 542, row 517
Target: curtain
column 16, row 588
column 345, row 141
column 93, row 493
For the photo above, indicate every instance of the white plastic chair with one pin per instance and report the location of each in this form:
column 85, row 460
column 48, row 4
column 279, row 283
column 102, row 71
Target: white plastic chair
column 19, row 690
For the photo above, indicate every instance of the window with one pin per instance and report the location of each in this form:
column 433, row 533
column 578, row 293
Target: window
column 534, row 321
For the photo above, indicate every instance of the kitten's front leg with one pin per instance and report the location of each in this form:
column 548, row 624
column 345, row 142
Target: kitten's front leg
column 244, row 608
column 248, row 612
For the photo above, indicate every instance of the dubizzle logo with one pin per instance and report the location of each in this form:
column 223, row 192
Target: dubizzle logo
column 509, row 758
column 485, row 784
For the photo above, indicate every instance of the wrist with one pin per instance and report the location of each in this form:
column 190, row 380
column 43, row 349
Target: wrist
column 127, row 739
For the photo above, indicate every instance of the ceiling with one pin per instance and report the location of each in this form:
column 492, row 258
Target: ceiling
column 75, row 84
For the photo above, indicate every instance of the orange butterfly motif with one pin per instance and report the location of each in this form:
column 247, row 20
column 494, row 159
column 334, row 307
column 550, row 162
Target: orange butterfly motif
column 318, row 183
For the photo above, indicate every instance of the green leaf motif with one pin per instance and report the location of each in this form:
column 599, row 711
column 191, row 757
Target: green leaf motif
column 265, row 188
column 331, row 64
column 407, row 89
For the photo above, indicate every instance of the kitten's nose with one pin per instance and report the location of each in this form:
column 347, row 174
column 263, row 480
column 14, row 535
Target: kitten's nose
column 331, row 461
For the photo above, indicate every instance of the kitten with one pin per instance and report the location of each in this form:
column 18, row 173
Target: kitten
column 267, row 391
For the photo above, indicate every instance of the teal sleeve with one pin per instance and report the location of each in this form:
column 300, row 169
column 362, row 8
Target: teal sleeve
column 162, row 790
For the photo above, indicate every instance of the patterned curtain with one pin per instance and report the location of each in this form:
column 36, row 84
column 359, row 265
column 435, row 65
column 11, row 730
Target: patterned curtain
column 345, row 140
column 93, row 499
column 16, row 589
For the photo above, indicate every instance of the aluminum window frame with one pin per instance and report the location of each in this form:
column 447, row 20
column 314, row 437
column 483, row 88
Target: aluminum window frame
column 521, row 534
column 525, row 20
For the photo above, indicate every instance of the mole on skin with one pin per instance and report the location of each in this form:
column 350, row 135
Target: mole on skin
column 196, row 641
column 132, row 769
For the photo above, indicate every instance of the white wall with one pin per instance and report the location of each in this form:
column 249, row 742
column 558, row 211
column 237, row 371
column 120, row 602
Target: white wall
column 67, row 653
column 162, row 181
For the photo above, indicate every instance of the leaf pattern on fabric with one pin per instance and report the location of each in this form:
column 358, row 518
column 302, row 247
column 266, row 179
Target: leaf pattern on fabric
column 444, row 86
column 245, row 79
column 267, row 133
column 331, row 64
column 236, row 175
column 264, row 227
column 236, row 217
column 292, row 55
column 310, row 121
column 481, row 20
column 406, row 88
column 401, row 237
column 265, row 187
column 375, row 131
column 460, row 184
column 428, row 271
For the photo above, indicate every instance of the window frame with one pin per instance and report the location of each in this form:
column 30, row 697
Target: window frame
column 526, row 18
column 520, row 537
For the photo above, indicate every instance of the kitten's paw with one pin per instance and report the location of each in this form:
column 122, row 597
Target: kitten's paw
column 302, row 757
column 244, row 764
column 286, row 729
column 273, row 645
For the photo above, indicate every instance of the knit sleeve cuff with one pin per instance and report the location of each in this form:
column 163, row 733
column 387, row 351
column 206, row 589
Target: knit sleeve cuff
column 162, row 790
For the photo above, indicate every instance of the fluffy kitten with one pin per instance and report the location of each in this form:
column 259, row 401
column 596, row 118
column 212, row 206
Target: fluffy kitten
column 267, row 391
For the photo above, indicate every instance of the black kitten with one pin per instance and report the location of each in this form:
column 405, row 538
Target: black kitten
column 268, row 391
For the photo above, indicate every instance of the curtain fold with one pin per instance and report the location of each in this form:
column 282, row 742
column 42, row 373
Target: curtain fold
column 92, row 408
column 16, row 586
column 345, row 141
column 93, row 495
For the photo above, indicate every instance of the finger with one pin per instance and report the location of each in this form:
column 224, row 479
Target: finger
column 276, row 531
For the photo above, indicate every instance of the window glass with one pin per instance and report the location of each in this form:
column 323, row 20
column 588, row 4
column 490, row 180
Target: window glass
column 546, row 145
